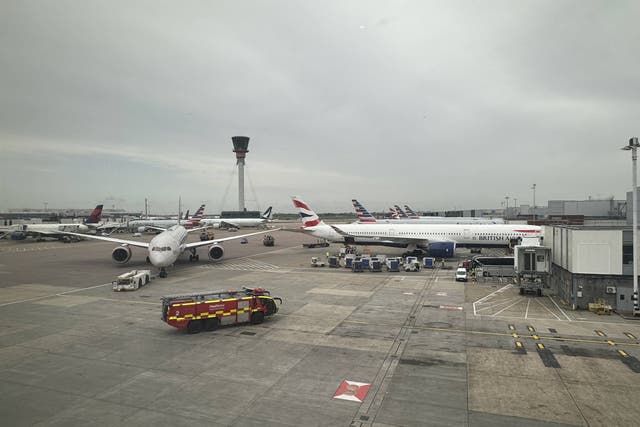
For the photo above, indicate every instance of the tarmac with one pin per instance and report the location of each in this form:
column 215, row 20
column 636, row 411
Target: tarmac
column 419, row 348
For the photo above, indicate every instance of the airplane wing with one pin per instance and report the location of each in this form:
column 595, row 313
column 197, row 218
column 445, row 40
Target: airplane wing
column 224, row 239
column 109, row 239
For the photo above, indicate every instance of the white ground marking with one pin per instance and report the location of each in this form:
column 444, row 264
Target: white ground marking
column 526, row 313
column 55, row 295
column 547, row 308
column 507, row 307
column 561, row 310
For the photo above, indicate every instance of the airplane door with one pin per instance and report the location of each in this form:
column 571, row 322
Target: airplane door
column 466, row 234
column 392, row 232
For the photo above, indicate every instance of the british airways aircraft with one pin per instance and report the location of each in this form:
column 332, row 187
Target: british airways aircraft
column 401, row 218
column 439, row 240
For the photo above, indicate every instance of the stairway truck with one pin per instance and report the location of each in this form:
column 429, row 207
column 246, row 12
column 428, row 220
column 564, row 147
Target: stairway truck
column 205, row 311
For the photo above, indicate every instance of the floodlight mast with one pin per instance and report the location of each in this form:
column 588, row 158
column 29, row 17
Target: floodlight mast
column 633, row 146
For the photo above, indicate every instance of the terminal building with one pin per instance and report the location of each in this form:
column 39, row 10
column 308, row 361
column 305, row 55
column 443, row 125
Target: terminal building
column 594, row 260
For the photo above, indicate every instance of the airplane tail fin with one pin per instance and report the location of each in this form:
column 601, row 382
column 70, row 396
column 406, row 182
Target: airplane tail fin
column 410, row 211
column 307, row 216
column 394, row 213
column 199, row 213
column 401, row 212
column 268, row 214
column 186, row 215
column 363, row 213
column 94, row 218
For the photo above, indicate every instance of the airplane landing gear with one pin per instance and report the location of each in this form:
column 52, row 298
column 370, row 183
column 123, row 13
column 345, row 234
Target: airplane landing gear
column 194, row 256
column 163, row 273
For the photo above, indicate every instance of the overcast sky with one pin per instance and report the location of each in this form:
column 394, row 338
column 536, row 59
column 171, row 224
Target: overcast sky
column 437, row 104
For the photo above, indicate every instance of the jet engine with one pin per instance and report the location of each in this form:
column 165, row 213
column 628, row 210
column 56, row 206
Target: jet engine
column 216, row 252
column 142, row 229
column 442, row 249
column 18, row 235
column 121, row 254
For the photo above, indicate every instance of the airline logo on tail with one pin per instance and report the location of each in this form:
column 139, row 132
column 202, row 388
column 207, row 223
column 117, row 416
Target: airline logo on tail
column 307, row 216
column 194, row 221
column 400, row 212
column 412, row 214
column 363, row 213
column 268, row 214
column 94, row 218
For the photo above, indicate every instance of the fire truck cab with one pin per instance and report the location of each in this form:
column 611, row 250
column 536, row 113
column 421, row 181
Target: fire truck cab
column 207, row 310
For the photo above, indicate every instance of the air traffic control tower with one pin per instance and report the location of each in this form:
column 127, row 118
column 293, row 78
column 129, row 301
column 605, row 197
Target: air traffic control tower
column 241, row 148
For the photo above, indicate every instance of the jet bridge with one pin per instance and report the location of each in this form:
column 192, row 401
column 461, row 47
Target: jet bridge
column 532, row 263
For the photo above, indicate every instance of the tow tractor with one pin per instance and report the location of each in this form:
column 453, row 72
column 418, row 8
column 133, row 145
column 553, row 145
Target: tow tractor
column 315, row 262
column 208, row 310
column 132, row 280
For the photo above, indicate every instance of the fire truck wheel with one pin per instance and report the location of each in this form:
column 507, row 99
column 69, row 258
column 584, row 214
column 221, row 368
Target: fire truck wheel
column 146, row 280
column 139, row 282
column 194, row 326
column 211, row 324
column 271, row 307
column 257, row 317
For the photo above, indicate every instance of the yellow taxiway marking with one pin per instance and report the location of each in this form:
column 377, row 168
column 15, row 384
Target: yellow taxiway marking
column 611, row 342
column 495, row 334
column 630, row 336
column 540, row 346
column 602, row 334
column 623, row 353
column 519, row 344
column 514, row 335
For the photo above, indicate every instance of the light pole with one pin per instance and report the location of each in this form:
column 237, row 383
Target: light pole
column 633, row 146
column 534, row 202
column 506, row 212
column 515, row 206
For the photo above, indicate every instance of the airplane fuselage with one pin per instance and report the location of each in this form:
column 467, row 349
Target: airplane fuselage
column 166, row 247
column 462, row 234
column 240, row 222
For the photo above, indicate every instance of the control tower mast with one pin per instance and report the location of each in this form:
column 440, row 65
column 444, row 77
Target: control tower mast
column 241, row 148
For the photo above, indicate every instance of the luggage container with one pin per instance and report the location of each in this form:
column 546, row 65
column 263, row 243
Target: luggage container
column 375, row 265
column 366, row 262
column 333, row 262
column 428, row 262
column 348, row 260
column 357, row 266
column 393, row 264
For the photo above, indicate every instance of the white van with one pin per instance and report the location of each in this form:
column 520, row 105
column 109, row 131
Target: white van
column 461, row 274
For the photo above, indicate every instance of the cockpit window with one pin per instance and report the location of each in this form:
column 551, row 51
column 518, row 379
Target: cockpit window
column 161, row 249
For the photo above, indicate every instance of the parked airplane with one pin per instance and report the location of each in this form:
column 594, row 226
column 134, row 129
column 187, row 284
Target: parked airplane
column 365, row 216
column 165, row 248
column 239, row 222
column 142, row 224
column 439, row 240
column 56, row 230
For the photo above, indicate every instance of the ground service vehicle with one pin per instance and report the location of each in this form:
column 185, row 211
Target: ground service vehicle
column 207, row 310
column 461, row 274
column 268, row 240
column 315, row 262
column 132, row 280
column 318, row 244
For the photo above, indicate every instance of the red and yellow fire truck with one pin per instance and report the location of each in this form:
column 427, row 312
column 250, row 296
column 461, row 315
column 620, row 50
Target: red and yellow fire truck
column 207, row 310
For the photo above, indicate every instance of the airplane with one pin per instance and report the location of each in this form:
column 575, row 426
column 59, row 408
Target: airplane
column 57, row 230
column 142, row 224
column 439, row 240
column 412, row 218
column 165, row 248
column 239, row 222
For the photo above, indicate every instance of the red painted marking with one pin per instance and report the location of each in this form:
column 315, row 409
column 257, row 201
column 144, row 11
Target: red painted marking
column 299, row 204
column 351, row 390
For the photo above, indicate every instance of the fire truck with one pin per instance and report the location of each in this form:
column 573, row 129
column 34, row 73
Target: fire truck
column 207, row 310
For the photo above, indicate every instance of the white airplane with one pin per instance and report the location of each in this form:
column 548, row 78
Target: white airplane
column 238, row 222
column 142, row 224
column 57, row 230
column 439, row 240
column 413, row 218
column 165, row 248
